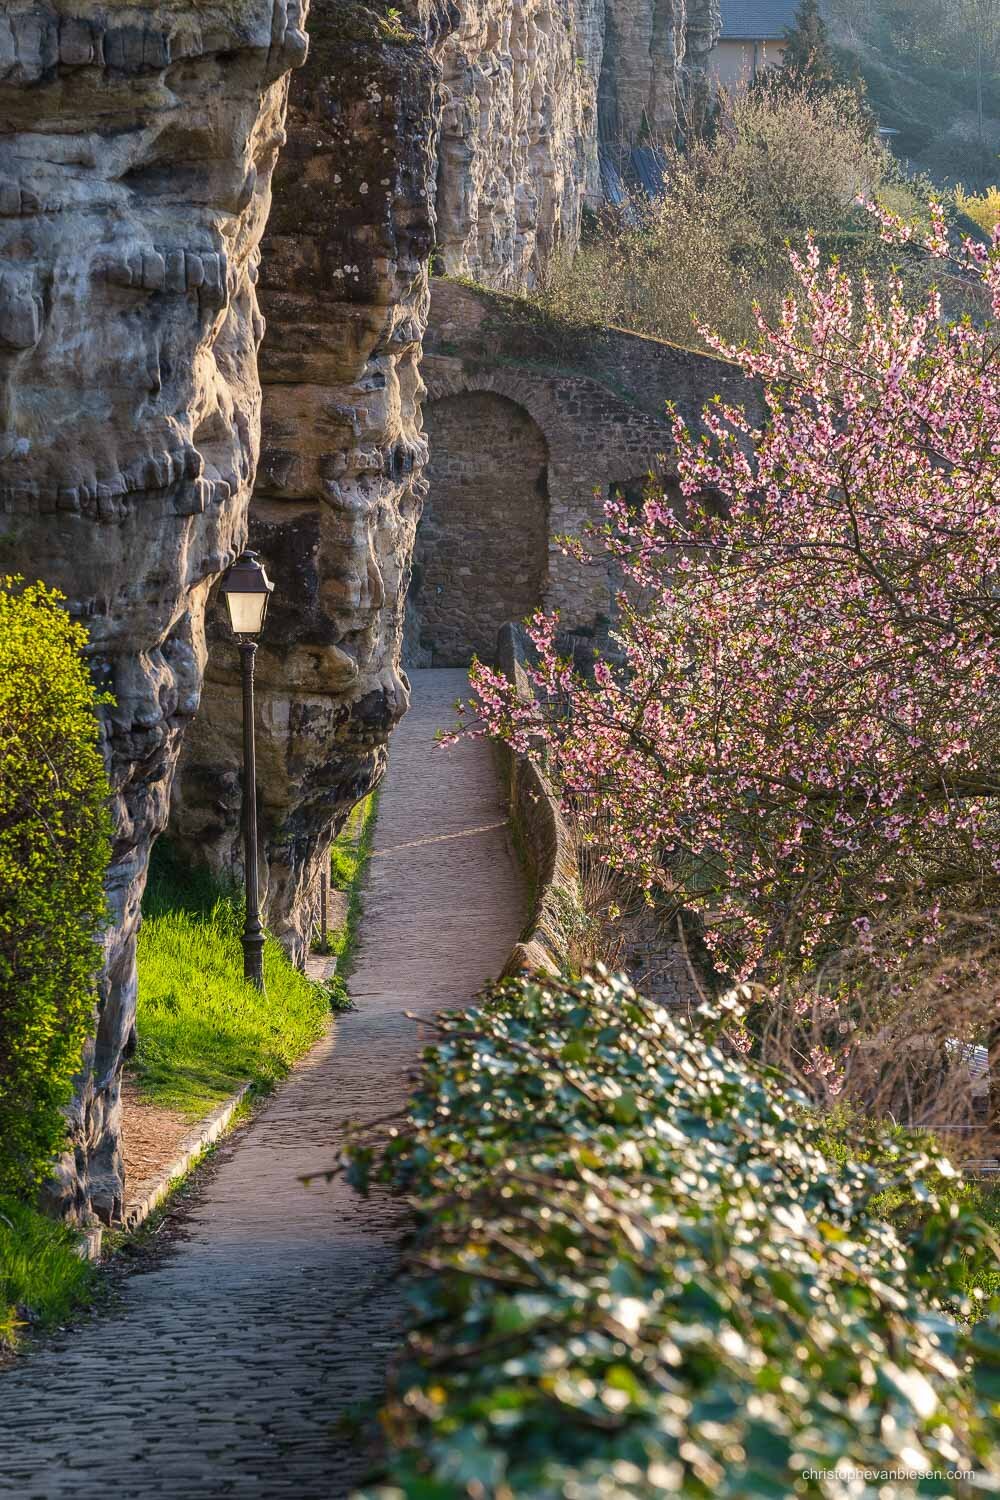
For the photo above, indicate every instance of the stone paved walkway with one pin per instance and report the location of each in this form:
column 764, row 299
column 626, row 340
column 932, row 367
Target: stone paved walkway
column 228, row 1365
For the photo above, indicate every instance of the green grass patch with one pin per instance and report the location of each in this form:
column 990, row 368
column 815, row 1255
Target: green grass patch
column 42, row 1278
column 202, row 1030
column 349, row 856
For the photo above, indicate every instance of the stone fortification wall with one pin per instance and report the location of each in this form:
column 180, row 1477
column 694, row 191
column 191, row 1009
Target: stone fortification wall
column 504, row 391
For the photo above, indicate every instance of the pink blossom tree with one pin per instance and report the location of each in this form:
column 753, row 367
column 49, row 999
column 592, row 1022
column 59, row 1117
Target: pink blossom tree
column 800, row 732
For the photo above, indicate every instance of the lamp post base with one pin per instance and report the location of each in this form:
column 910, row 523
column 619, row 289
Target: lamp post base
column 253, row 933
column 253, row 959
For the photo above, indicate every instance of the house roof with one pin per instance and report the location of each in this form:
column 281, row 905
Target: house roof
column 756, row 20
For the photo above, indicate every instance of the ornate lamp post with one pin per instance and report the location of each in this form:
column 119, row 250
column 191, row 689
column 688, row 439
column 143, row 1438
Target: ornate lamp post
column 246, row 589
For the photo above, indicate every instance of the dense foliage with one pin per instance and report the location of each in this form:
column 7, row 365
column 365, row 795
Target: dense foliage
column 202, row 1031
column 42, row 1274
column 781, row 161
column 932, row 72
column 802, row 734
column 644, row 1275
column 54, row 849
column 808, row 59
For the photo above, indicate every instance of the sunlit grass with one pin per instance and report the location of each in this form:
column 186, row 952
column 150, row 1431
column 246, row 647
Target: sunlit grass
column 349, row 857
column 42, row 1278
column 202, row 1030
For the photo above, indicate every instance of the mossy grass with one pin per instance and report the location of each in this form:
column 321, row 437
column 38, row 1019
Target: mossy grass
column 349, row 856
column 202, row 1030
column 42, row 1276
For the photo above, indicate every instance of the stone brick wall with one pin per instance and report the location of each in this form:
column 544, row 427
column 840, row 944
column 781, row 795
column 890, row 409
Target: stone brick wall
column 527, row 439
column 544, row 837
column 482, row 549
column 652, row 953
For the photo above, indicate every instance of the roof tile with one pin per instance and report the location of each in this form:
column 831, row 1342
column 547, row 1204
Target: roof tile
column 757, row 20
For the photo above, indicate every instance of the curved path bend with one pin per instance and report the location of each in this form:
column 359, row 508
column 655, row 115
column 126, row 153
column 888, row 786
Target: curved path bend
column 229, row 1368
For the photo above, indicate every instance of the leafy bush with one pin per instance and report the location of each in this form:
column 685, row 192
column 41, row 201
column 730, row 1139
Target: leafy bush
column 781, row 163
column 202, row 1030
column 642, row 1274
column 982, row 208
column 931, row 68
column 54, row 848
column 42, row 1276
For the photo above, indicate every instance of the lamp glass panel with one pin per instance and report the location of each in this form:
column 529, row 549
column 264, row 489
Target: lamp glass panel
column 246, row 612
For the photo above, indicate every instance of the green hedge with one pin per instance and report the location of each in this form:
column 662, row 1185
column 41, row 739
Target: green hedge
column 54, row 849
column 641, row 1275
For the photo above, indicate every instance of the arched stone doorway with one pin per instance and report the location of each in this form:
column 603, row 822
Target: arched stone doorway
column 481, row 554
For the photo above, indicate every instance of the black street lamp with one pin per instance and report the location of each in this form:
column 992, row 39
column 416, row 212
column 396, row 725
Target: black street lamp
column 246, row 589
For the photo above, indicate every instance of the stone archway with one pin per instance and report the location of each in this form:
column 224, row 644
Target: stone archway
column 481, row 554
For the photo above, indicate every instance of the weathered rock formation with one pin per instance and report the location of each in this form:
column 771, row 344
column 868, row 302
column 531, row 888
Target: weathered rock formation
column 529, row 88
column 344, row 287
column 469, row 126
column 653, row 78
column 518, row 153
column 136, row 148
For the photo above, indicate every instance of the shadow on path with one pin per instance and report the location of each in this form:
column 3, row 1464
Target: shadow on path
column 229, row 1364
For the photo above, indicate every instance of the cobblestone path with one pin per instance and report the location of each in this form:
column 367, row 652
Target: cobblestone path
column 226, row 1368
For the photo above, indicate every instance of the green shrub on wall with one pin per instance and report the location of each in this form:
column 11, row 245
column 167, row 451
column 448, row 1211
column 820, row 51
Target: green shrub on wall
column 54, row 847
column 643, row 1274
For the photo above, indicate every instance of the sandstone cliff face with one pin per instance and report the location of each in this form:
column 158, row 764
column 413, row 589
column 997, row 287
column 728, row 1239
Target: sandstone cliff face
column 469, row 128
column 653, row 67
column 136, row 150
column 529, row 88
column 518, row 153
column 344, row 287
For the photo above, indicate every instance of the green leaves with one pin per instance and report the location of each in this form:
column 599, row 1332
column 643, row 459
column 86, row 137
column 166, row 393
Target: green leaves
column 639, row 1280
column 54, row 847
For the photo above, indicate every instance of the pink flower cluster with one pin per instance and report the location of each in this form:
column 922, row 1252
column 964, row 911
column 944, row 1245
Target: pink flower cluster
column 803, row 733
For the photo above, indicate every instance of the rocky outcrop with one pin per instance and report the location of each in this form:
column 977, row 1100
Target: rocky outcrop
column 136, row 150
column 463, row 130
column 518, row 135
column 530, row 87
column 344, row 287
column 653, row 78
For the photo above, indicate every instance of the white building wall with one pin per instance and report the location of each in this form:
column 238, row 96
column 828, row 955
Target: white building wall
column 734, row 63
